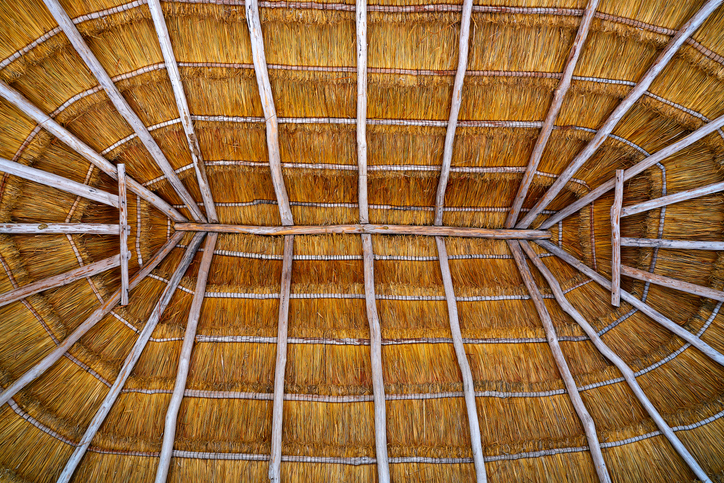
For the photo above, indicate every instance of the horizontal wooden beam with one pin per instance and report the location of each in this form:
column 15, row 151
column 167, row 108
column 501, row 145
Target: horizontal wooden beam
column 671, row 199
column 51, row 228
column 423, row 230
column 674, row 283
column 673, row 244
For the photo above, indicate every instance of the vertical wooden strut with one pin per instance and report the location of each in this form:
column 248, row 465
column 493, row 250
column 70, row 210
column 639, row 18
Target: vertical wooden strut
column 169, row 432
column 70, row 30
column 457, row 96
column 125, row 229
column 586, row 420
column 616, row 240
column 281, row 364
column 626, row 371
column 361, row 17
column 130, row 361
column 270, row 113
column 378, row 386
column 636, row 92
column 183, row 108
column 550, row 120
column 468, row 386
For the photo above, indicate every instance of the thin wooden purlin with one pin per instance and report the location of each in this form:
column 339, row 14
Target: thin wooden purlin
column 457, row 95
column 626, row 371
column 671, row 199
column 125, row 230
column 122, row 106
column 47, row 362
column 673, row 283
column 270, row 113
column 361, row 29
column 550, row 120
column 623, row 107
column 587, row 422
column 462, row 358
column 170, row 421
column 62, row 228
column 673, row 244
column 169, row 58
column 616, row 240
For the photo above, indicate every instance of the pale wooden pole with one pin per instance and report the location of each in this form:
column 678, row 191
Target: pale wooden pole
column 626, row 371
column 587, row 422
column 462, row 358
column 671, row 199
column 125, row 230
column 53, row 228
column 52, row 126
column 673, row 283
column 616, row 240
column 169, row 432
column 672, row 244
column 183, row 108
column 270, row 113
column 361, row 19
column 275, row 459
column 378, row 385
column 634, row 95
column 122, row 106
column 550, row 120
column 130, row 361
column 47, row 362
column 457, row 97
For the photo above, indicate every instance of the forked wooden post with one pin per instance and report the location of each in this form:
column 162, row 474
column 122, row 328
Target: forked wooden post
column 616, row 240
column 361, row 18
column 673, row 244
column 59, row 228
column 626, row 371
column 673, row 283
column 124, row 229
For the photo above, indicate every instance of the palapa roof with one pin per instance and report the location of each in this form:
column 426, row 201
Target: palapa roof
column 348, row 353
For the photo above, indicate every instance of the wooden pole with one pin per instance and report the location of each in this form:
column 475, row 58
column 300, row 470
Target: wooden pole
column 130, row 361
column 589, row 426
column 270, row 113
column 616, row 240
column 28, row 108
column 125, row 230
column 468, row 385
column 673, row 283
column 671, row 199
column 169, row 432
column 47, row 362
column 378, row 386
column 52, row 228
column 550, row 120
column 169, row 58
column 634, row 95
column 361, row 19
column 626, row 371
column 672, row 244
column 457, row 97
column 75, row 38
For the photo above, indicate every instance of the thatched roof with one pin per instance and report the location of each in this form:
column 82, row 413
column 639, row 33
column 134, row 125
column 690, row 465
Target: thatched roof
column 396, row 241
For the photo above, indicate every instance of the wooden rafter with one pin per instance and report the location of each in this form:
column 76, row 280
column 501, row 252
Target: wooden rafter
column 457, row 97
column 63, row 228
column 674, row 283
column 361, row 20
column 124, row 231
column 616, row 240
column 550, row 120
column 169, row 432
column 626, row 371
column 672, row 244
column 122, row 106
column 671, row 199
column 270, row 112
column 47, row 362
column 636, row 92
column 587, row 422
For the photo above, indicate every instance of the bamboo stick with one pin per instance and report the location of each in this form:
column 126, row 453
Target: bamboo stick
column 634, row 95
column 378, row 386
column 174, row 76
column 457, row 96
column 550, row 120
column 75, row 38
column 676, row 329
column 361, row 20
column 125, row 230
column 131, row 360
column 587, row 422
column 671, row 199
column 626, row 371
column 281, row 362
column 47, row 362
column 674, row 283
column 673, row 244
column 48, row 228
column 270, row 113
column 634, row 170
column 48, row 123
column 616, row 240
column 462, row 358
column 169, row 432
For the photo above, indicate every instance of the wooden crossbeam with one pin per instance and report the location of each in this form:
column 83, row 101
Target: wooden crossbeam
column 122, row 106
column 125, row 230
column 53, row 228
column 674, row 283
column 634, row 95
column 361, row 21
column 671, row 199
column 616, row 240
column 47, row 362
column 672, row 244
column 626, row 371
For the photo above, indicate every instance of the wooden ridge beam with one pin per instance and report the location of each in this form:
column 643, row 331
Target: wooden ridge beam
column 361, row 22
column 634, row 95
column 616, row 240
column 673, row 283
column 626, row 371
column 122, row 106
column 124, row 231
column 53, row 228
column 587, row 422
column 671, row 199
column 672, row 244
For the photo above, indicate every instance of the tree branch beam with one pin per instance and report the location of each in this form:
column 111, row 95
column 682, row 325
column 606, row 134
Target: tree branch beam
column 63, row 228
column 361, row 20
column 124, row 231
column 672, row 244
column 616, row 240
column 671, row 199
column 673, row 283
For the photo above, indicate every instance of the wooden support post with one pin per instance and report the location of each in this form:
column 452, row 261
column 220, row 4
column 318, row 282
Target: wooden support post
column 626, row 371
column 468, row 386
column 125, row 230
column 671, row 199
column 634, row 95
column 673, row 283
column 361, row 19
column 124, row 109
column 47, row 362
column 616, row 240
column 169, row 432
column 589, row 426
column 672, row 244
column 63, row 228
column 378, row 386
column 550, row 120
